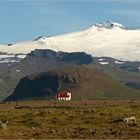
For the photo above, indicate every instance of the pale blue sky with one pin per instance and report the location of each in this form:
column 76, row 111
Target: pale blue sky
column 27, row 19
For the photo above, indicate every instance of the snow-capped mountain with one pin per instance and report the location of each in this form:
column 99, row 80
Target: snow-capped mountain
column 109, row 24
column 108, row 39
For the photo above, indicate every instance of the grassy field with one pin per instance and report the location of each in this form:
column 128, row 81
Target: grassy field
column 75, row 119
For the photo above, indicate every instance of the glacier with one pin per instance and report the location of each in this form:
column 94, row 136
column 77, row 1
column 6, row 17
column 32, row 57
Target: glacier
column 108, row 39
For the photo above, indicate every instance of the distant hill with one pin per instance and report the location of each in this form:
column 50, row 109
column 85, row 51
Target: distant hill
column 38, row 61
column 83, row 81
column 46, row 60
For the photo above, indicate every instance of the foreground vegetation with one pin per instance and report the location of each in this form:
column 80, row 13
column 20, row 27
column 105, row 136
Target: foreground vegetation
column 74, row 119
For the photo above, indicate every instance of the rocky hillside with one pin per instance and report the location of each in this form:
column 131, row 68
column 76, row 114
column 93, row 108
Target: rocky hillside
column 38, row 61
column 83, row 81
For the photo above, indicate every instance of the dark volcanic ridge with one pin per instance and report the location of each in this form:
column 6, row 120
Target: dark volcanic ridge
column 83, row 82
column 39, row 61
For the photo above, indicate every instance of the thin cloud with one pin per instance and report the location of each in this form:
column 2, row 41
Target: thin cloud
column 126, row 12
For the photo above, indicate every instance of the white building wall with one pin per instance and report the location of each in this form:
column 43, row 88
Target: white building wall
column 69, row 94
column 67, row 98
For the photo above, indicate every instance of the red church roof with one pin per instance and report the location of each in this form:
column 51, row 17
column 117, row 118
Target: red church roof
column 63, row 94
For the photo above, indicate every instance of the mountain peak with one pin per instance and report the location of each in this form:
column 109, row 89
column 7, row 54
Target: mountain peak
column 109, row 24
column 41, row 38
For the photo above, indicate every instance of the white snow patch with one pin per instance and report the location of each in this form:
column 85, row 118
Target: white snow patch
column 104, row 63
column 101, row 59
column 119, row 62
column 8, row 61
column 17, row 70
column 21, row 56
column 6, row 55
column 14, row 60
